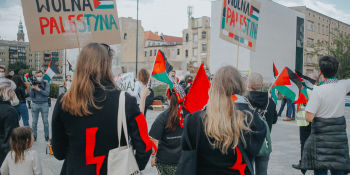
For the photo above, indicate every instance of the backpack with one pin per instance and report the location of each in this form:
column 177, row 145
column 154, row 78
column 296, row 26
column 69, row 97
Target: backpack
column 266, row 147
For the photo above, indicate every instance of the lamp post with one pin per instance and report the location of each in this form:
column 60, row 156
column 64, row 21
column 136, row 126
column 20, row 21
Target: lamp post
column 137, row 34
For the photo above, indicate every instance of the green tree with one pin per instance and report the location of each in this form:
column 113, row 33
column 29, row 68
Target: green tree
column 338, row 47
column 17, row 66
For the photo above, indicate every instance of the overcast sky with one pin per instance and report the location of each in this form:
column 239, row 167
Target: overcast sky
column 167, row 16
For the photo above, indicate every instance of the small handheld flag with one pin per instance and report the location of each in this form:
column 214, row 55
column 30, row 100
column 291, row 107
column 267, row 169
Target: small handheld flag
column 275, row 71
column 51, row 71
column 161, row 69
column 70, row 66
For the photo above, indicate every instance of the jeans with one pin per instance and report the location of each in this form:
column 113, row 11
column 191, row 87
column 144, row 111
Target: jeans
column 44, row 109
column 261, row 164
column 22, row 111
column 325, row 172
column 290, row 109
column 283, row 104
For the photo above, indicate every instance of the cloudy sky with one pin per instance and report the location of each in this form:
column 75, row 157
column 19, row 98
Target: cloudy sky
column 168, row 16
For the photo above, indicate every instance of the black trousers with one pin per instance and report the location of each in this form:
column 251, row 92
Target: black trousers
column 304, row 133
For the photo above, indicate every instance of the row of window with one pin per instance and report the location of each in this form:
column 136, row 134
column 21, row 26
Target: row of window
column 2, row 53
column 320, row 29
column 195, row 36
column 155, row 52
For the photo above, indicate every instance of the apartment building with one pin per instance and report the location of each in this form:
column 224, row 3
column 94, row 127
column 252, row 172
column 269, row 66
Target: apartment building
column 318, row 27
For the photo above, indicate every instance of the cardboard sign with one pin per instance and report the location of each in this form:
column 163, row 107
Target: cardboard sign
column 126, row 81
column 239, row 23
column 65, row 24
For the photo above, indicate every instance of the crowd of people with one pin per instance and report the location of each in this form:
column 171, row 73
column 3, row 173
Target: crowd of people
column 231, row 135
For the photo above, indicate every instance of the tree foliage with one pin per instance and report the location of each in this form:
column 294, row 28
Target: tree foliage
column 339, row 47
column 17, row 66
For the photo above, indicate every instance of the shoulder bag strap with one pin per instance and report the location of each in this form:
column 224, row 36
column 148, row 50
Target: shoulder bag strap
column 245, row 158
column 122, row 118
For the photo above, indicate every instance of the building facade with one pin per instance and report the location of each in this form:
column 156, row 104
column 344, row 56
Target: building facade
column 19, row 51
column 318, row 28
column 196, row 41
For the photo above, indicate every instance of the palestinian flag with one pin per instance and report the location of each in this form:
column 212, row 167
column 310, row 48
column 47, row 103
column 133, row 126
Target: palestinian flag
column 51, row 71
column 288, row 84
column 70, row 66
column 161, row 69
column 303, row 98
column 307, row 81
column 275, row 71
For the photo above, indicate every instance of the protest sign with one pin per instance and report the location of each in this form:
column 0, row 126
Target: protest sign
column 239, row 23
column 65, row 24
column 126, row 81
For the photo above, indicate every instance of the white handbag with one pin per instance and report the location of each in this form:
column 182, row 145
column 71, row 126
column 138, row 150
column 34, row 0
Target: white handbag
column 121, row 160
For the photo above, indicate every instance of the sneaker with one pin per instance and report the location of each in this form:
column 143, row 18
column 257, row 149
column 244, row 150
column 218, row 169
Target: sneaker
column 288, row 119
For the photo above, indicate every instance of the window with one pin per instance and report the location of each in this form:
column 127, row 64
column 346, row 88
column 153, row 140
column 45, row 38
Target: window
column 204, row 35
column 187, row 37
column 310, row 42
column 145, row 53
column 204, row 47
column 125, row 36
column 310, row 26
column 309, row 71
column 155, row 52
column 308, row 58
column 195, row 38
column 186, row 53
column 2, row 60
column 178, row 51
column 319, row 28
column 150, row 53
column 195, row 52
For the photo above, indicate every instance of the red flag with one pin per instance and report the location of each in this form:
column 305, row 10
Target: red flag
column 275, row 71
column 198, row 95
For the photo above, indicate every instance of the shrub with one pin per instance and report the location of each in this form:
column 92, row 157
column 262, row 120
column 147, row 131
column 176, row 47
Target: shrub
column 54, row 90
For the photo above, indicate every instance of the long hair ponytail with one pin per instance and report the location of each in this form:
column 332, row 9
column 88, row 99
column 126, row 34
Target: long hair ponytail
column 223, row 122
column 173, row 121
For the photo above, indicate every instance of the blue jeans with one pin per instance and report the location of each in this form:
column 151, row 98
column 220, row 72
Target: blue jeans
column 22, row 111
column 290, row 109
column 261, row 165
column 44, row 109
column 283, row 104
column 325, row 172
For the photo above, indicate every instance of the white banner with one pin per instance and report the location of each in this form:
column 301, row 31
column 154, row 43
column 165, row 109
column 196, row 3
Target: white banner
column 126, row 81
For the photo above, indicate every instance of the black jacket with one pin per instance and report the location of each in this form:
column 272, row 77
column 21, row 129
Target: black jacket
column 327, row 146
column 259, row 101
column 8, row 121
column 21, row 94
column 69, row 133
column 210, row 160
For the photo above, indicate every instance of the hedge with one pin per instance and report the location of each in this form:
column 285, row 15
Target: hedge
column 54, row 90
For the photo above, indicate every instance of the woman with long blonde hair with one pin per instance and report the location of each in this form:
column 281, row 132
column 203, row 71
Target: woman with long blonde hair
column 84, row 121
column 228, row 129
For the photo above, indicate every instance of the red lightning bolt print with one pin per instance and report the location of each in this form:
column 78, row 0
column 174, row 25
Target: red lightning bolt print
column 90, row 148
column 238, row 165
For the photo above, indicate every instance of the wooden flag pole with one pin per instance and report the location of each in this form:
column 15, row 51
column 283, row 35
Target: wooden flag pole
column 237, row 56
column 76, row 35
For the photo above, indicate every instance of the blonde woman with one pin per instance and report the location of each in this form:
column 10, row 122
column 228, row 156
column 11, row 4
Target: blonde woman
column 8, row 115
column 84, row 121
column 227, row 123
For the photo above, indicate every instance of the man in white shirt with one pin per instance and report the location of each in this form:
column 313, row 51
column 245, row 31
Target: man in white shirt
column 326, row 109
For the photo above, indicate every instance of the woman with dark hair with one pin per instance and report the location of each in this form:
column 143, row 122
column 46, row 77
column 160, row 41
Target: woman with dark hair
column 21, row 93
column 166, row 133
column 84, row 121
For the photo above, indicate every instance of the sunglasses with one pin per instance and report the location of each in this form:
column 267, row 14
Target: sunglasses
column 107, row 47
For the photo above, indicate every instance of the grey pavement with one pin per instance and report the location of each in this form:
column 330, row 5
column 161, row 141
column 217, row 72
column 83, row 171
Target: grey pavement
column 285, row 143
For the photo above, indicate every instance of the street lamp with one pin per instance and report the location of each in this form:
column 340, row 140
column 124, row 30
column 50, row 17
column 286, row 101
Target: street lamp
column 137, row 34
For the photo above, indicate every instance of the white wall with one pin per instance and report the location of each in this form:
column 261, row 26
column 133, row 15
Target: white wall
column 276, row 41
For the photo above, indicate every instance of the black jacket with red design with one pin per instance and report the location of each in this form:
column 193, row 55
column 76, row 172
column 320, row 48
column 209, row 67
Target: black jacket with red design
column 212, row 161
column 69, row 133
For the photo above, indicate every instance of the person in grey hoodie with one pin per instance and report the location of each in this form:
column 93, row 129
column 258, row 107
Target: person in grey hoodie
column 261, row 101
